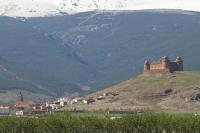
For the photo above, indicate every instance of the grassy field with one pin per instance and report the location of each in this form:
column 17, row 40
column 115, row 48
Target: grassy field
column 90, row 123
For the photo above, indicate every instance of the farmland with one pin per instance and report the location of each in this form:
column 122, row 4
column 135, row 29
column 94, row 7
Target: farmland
column 102, row 123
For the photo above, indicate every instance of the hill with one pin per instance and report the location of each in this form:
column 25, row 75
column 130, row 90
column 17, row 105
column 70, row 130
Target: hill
column 158, row 92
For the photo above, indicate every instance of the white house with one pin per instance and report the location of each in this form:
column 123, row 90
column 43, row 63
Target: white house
column 19, row 113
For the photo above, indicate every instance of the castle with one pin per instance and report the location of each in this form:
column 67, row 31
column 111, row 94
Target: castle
column 164, row 65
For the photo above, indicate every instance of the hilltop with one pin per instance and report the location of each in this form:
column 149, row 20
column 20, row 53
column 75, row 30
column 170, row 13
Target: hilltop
column 157, row 92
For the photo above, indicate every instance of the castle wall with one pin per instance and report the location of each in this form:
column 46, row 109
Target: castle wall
column 155, row 71
column 163, row 66
column 156, row 66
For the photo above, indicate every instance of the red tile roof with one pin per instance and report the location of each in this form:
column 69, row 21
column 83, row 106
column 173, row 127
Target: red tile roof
column 23, row 104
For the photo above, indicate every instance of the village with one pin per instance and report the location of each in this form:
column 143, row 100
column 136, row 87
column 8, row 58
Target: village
column 23, row 107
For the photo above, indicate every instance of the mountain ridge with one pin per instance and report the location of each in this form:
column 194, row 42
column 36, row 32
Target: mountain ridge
column 44, row 8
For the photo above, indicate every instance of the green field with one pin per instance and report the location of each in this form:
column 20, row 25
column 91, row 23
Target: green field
column 70, row 123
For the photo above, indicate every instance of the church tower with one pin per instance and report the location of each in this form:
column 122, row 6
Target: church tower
column 20, row 97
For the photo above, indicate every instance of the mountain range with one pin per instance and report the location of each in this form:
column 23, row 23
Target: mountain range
column 74, row 47
column 81, row 53
column 42, row 8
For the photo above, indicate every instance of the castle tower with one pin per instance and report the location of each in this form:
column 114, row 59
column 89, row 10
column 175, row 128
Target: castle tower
column 20, row 97
column 146, row 66
column 179, row 63
column 165, row 63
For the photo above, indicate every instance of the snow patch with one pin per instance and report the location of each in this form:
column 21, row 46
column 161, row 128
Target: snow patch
column 42, row 8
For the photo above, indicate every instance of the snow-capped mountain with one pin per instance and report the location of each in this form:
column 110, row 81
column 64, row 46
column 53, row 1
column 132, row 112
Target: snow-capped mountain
column 40, row 8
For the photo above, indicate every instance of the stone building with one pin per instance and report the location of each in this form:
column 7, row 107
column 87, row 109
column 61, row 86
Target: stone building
column 164, row 65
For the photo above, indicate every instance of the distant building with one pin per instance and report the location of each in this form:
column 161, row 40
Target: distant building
column 20, row 113
column 4, row 110
column 24, row 104
column 90, row 101
column 164, row 65
column 84, row 101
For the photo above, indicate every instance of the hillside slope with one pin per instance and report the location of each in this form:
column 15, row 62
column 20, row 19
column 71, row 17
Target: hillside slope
column 157, row 92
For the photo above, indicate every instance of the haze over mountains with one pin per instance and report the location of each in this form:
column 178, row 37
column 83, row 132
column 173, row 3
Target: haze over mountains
column 55, row 55
column 41, row 8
